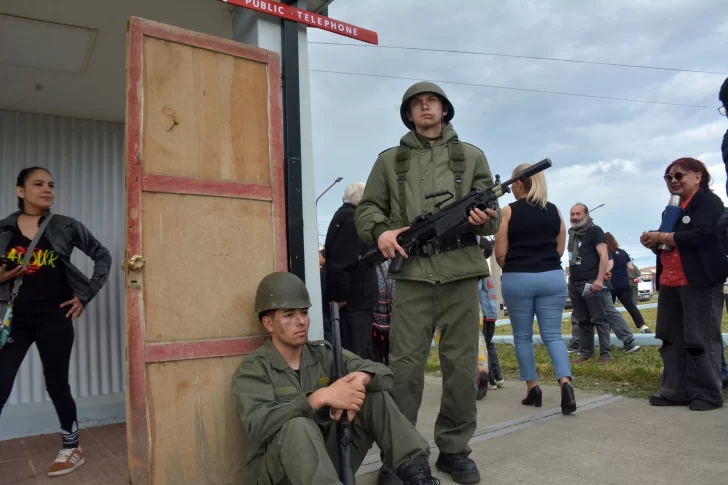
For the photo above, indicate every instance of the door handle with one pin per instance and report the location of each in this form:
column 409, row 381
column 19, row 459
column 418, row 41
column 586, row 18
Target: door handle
column 135, row 263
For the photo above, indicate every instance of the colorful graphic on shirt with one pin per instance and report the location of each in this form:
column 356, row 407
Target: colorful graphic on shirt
column 41, row 258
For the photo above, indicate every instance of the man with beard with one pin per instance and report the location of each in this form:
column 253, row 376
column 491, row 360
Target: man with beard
column 437, row 289
column 588, row 260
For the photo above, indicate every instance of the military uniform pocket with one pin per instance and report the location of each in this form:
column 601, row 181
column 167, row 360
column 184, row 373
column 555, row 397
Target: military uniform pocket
column 285, row 394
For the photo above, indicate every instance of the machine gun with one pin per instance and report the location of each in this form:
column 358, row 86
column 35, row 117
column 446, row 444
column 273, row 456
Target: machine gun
column 428, row 231
column 343, row 427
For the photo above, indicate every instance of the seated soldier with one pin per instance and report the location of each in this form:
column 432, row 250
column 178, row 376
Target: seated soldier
column 286, row 401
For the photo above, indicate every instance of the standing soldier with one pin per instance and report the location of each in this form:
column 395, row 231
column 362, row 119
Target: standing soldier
column 442, row 289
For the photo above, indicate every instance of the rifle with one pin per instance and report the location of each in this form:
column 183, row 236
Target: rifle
column 429, row 230
column 343, row 428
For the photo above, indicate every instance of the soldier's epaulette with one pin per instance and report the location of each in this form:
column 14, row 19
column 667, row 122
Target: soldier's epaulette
column 470, row 144
column 388, row 149
column 319, row 343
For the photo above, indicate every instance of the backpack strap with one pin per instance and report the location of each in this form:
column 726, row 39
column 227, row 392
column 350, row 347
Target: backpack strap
column 401, row 167
column 457, row 164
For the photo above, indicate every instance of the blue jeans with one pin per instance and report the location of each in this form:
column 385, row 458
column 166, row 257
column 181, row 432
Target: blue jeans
column 542, row 295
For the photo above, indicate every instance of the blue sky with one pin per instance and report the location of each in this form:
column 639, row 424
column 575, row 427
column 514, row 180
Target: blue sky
column 604, row 151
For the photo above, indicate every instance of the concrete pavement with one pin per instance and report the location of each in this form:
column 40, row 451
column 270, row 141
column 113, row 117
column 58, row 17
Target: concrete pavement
column 610, row 440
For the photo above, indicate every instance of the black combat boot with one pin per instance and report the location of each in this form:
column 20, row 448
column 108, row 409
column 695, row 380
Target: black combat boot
column 417, row 473
column 388, row 475
column 461, row 468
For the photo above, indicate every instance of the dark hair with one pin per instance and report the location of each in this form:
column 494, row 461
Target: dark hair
column 23, row 177
column 723, row 94
column 266, row 313
column 692, row 165
column 612, row 243
column 586, row 209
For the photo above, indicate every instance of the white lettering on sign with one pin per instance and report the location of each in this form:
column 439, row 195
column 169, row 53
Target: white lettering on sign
column 309, row 18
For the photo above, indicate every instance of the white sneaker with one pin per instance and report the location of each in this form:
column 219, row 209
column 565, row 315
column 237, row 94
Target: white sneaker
column 68, row 460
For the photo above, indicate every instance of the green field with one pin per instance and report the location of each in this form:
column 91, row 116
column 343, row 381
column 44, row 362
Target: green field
column 632, row 375
column 649, row 314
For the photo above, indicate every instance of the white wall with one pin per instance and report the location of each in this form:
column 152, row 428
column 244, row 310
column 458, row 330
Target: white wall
column 86, row 160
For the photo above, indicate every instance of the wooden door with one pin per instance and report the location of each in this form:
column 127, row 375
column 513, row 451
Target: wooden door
column 205, row 222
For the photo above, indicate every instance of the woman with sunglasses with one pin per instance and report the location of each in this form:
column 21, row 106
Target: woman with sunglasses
column 690, row 277
column 53, row 294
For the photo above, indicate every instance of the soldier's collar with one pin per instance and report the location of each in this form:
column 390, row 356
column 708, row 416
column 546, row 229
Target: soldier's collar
column 279, row 363
column 308, row 358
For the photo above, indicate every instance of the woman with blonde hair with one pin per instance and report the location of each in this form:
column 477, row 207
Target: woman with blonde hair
column 528, row 248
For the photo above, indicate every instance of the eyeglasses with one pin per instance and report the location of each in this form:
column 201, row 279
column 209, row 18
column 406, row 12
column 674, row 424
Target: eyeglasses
column 722, row 110
column 678, row 176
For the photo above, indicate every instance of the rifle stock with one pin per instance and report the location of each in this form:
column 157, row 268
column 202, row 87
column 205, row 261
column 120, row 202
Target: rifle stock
column 343, row 427
column 428, row 230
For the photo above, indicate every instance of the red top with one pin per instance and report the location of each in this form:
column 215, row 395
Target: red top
column 672, row 268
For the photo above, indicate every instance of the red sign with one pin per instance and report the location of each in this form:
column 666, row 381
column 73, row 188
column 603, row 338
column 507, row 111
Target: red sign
column 309, row 18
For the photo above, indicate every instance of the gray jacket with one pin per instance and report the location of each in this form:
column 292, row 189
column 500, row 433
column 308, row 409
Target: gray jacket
column 65, row 233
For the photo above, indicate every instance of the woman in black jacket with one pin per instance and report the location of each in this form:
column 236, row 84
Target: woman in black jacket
column 52, row 295
column 690, row 280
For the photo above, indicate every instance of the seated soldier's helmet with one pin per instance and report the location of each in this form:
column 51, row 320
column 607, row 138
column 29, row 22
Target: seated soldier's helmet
column 424, row 87
column 281, row 290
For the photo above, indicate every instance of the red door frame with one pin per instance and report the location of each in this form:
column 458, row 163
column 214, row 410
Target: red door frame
column 139, row 353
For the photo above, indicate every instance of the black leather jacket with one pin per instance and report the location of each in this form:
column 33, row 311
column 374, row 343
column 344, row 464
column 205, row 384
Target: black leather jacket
column 65, row 233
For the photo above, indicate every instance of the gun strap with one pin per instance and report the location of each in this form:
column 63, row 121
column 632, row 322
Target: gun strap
column 401, row 166
column 457, row 164
column 457, row 167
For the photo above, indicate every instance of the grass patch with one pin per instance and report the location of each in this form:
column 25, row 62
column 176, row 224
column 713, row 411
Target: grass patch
column 649, row 314
column 632, row 375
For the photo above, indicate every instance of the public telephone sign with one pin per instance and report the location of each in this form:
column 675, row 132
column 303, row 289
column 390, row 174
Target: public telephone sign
column 309, row 18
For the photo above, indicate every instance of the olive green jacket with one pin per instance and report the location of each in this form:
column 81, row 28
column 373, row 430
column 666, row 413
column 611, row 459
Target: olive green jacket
column 268, row 393
column 429, row 171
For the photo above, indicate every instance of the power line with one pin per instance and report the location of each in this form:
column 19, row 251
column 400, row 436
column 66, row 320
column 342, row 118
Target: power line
column 552, row 59
column 510, row 88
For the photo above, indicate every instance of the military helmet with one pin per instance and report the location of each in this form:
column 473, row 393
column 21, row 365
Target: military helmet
column 424, row 87
column 281, row 290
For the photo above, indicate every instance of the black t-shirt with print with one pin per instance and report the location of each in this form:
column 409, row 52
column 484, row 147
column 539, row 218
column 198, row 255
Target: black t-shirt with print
column 586, row 267
column 44, row 283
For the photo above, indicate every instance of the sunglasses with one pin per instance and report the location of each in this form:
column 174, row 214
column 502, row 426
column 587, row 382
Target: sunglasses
column 678, row 176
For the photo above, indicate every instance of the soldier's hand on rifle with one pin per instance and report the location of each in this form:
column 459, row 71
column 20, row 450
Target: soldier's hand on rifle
column 477, row 217
column 345, row 393
column 336, row 413
column 388, row 244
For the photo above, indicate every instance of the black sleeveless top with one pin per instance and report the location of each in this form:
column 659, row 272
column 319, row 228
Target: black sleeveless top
column 532, row 233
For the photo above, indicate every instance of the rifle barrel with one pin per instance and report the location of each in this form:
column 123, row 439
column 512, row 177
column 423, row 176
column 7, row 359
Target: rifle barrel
column 343, row 428
column 530, row 171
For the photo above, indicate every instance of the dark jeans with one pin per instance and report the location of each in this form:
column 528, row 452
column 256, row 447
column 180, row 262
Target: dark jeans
column 688, row 323
column 493, row 362
column 625, row 296
column 356, row 332
column 589, row 312
column 53, row 334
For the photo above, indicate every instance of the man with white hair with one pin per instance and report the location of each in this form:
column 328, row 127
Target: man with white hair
column 352, row 285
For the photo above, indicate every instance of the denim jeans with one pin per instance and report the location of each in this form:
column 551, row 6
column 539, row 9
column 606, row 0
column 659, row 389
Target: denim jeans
column 542, row 295
column 616, row 322
column 590, row 313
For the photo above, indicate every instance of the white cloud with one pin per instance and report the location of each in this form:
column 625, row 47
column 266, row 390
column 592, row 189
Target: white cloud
column 611, row 152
